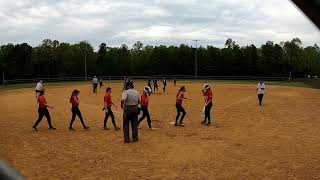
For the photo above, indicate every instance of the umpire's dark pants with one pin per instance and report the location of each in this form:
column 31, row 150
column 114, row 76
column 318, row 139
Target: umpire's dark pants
column 95, row 86
column 260, row 97
column 130, row 115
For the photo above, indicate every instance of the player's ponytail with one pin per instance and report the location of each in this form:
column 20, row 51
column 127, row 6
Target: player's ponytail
column 71, row 97
column 74, row 92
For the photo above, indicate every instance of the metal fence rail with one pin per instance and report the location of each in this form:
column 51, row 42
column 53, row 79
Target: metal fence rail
column 313, row 82
column 178, row 77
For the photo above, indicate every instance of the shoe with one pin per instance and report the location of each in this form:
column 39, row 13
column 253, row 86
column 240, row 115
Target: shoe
column 181, row 124
column 87, row 127
column 105, row 128
column 176, row 124
column 71, row 129
column 34, row 128
column 208, row 124
column 52, row 128
column 116, row 128
column 203, row 122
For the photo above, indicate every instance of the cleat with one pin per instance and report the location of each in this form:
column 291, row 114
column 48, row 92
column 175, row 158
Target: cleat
column 72, row 129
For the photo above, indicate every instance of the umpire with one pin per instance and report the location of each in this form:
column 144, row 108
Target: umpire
column 130, row 102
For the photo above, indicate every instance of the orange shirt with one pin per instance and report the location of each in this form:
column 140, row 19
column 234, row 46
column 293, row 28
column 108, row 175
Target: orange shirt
column 208, row 96
column 144, row 100
column 180, row 97
column 107, row 100
column 42, row 102
column 75, row 101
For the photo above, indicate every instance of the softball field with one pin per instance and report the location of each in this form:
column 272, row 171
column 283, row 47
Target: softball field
column 280, row 140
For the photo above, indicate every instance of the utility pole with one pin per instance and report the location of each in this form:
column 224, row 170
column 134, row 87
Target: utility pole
column 85, row 63
column 196, row 60
column 3, row 77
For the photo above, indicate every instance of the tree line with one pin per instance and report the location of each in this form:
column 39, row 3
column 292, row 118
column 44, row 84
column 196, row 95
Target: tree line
column 54, row 59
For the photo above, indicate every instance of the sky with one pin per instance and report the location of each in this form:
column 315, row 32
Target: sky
column 154, row 22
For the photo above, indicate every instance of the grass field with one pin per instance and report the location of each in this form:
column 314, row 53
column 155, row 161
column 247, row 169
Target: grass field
column 279, row 140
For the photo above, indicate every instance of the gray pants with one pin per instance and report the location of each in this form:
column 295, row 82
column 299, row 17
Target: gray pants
column 130, row 115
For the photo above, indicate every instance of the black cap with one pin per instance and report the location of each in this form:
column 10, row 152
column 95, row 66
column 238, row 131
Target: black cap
column 75, row 91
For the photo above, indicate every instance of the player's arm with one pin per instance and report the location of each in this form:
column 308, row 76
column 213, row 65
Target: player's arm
column 123, row 98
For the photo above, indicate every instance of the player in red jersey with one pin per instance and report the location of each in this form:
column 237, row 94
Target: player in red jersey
column 108, row 111
column 43, row 111
column 74, row 100
column 144, row 105
column 179, row 100
column 207, row 93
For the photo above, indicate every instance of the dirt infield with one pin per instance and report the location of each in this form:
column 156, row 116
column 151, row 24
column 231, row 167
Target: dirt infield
column 280, row 140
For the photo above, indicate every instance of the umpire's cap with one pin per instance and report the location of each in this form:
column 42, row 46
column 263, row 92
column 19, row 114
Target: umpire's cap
column 129, row 83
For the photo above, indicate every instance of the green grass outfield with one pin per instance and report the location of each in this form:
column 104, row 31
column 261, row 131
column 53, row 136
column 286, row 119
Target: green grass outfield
column 280, row 83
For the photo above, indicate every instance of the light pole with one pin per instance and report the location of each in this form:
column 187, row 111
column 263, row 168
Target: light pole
column 85, row 63
column 196, row 60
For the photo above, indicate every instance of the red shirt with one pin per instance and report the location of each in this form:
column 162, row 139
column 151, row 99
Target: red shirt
column 107, row 100
column 75, row 101
column 42, row 102
column 144, row 100
column 180, row 97
column 208, row 96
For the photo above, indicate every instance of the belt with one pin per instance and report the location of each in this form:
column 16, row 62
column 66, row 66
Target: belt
column 130, row 105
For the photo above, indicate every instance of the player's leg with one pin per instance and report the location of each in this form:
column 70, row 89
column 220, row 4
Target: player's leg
column 178, row 107
column 148, row 118
column 113, row 119
column 143, row 109
column 73, row 117
column 81, row 119
column 106, row 119
column 207, row 113
column 47, row 115
column 183, row 115
column 40, row 117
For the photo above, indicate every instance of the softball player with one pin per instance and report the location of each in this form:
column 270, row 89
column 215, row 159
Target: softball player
column 107, row 108
column 174, row 81
column 43, row 111
column 144, row 105
column 207, row 93
column 149, row 83
column 100, row 83
column 74, row 100
column 179, row 100
column 95, row 84
column 155, row 85
column 164, row 81
column 260, row 91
